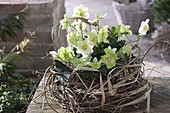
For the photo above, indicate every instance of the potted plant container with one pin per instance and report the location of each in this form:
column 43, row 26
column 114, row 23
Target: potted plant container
column 97, row 72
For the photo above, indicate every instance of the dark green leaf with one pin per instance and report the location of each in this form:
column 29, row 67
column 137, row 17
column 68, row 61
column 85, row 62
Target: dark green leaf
column 103, row 69
column 8, row 58
column 61, row 67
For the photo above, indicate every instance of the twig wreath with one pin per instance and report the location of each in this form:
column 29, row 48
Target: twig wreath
column 97, row 72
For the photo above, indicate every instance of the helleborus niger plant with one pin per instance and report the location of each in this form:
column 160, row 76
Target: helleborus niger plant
column 144, row 27
column 99, row 71
column 93, row 46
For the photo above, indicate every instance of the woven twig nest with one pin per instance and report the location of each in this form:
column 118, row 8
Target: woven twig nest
column 98, row 71
column 122, row 87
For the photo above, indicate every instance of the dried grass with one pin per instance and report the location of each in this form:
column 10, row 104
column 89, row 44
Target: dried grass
column 122, row 87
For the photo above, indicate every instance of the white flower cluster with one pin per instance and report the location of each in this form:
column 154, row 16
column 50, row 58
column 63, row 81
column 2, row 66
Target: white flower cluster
column 94, row 47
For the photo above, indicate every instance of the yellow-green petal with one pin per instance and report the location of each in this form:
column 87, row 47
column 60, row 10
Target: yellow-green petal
column 81, row 11
column 103, row 35
column 95, row 63
column 66, row 22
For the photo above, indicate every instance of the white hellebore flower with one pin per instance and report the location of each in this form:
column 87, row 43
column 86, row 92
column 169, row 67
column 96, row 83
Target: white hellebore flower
column 53, row 54
column 85, row 47
column 66, row 22
column 144, row 27
column 1, row 66
column 93, row 36
column 103, row 34
column 73, row 38
column 114, row 49
column 81, row 11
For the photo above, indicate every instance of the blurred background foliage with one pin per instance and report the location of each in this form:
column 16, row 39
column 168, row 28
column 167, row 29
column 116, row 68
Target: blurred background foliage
column 15, row 88
column 13, row 23
column 161, row 10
